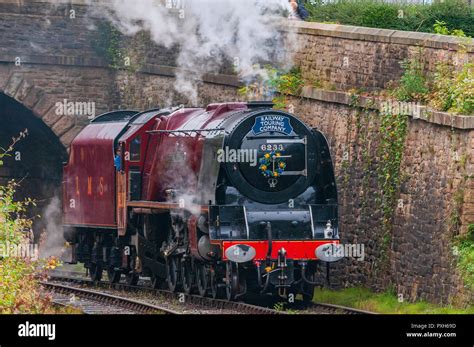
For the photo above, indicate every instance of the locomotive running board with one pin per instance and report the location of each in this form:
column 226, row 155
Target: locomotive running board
column 151, row 207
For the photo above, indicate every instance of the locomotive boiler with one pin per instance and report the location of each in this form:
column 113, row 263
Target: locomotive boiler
column 225, row 200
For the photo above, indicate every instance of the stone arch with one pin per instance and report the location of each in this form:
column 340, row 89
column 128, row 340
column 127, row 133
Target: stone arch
column 36, row 160
column 42, row 103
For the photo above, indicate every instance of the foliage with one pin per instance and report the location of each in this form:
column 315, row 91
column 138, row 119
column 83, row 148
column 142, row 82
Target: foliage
column 453, row 90
column 283, row 83
column 393, row 130
column 456, row 14
column 107, row 45
column 413, row 84
column 465, row 251
column 289, row 83
column 441, row 28
column 386, row 302
column 19, row 273
column 448, row 89
column 283, row 307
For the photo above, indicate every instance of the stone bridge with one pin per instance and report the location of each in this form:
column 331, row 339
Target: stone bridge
column 50, row 59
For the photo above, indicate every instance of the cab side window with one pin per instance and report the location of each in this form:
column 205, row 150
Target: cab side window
column 135, row 146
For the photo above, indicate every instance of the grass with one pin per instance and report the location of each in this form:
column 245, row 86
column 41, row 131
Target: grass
column 79, row 267
column 365, row 299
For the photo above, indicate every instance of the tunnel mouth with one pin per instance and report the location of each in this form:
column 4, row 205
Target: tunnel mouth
column 35, row 163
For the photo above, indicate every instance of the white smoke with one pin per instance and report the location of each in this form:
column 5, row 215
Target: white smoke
column 52, row 242
column 243, row 32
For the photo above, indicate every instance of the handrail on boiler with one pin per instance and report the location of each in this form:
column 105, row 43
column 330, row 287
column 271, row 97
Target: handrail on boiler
column 185, row 132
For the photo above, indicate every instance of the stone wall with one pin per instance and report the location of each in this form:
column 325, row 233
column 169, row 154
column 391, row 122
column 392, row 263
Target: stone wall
column 435, row 168
column 346, row 57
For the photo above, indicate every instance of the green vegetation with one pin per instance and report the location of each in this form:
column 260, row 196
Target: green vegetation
column 283, row 307
column 107, row 45
column 412, row 85
column 456, row 15
column 465, row 251
column 285, row 84
column 440, row 28
column 393, row 130
column 281, row 83
column 110, row 45
column 386, row 302
column 450, row 88
column 19, row 273
column 453, row 90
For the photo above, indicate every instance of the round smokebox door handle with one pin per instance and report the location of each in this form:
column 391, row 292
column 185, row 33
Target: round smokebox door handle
column 240, row 253
column 330, row 252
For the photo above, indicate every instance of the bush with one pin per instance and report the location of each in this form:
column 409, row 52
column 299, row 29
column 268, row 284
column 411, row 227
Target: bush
column 465, row 264
column 413, row 85
column 277, row 82
column 19, row 288
column 457, row 14
column 453, row 90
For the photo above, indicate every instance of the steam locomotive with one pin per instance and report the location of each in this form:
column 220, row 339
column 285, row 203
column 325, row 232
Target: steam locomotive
column 226, row 200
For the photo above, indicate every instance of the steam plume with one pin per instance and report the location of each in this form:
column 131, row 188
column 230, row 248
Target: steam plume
column 207, row 33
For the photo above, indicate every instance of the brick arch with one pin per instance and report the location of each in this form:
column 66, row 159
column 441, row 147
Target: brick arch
column 36, row 160
column 42, row 104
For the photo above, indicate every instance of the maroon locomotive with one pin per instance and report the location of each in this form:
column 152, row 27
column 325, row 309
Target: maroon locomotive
column 231, row 198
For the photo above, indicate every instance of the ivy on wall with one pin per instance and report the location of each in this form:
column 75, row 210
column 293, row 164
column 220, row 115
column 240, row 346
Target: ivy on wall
column 123, row 55
column 107, row 44
column 393, row 131
column 380, row 156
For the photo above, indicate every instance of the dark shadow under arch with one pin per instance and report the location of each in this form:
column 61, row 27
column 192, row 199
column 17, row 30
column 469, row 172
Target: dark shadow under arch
column 36, row 160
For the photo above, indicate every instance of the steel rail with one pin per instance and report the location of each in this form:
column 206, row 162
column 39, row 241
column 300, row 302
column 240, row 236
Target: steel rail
column 104, row 298
column 207, row 302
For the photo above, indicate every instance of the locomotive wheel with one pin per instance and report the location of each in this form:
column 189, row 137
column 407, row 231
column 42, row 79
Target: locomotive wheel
column 114, row 275
column 172, row 273
column 187, row 276
column 132, row 278
column 95, row 271
column 202, row 279
column 231, row 280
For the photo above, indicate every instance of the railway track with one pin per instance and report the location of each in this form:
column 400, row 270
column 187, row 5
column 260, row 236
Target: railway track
column 323, row 308
column 94, row 302
column 178, row 303
column 182, row 303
